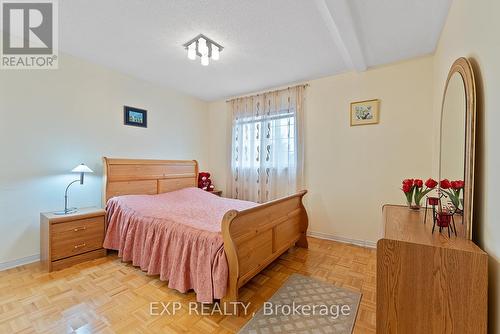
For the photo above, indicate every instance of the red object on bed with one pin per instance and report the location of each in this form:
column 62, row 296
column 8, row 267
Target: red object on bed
column 176, row 235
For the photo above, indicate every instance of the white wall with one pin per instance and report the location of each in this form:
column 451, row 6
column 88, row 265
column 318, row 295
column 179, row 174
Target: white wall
column 220, row 144
column 471, row 31
column 352, row 171
column 50, row 121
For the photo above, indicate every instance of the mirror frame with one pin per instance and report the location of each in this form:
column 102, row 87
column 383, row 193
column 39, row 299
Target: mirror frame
column 463, row 67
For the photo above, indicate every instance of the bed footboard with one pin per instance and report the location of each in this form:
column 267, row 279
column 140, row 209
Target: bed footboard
column 253, row 238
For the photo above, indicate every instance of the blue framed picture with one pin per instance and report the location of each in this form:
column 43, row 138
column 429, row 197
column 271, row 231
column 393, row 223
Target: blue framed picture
column 135, row 116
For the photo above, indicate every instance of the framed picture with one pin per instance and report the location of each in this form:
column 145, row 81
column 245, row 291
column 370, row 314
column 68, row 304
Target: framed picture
column 135, row 116
column 365, row 112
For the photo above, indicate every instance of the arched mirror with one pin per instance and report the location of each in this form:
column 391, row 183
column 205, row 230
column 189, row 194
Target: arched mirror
column 456, row 163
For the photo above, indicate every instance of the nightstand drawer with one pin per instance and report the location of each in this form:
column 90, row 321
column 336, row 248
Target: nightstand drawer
column 78, row 227
column 76, row 237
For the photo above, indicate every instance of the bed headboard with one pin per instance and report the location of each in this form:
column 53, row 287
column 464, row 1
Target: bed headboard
column 139, row 177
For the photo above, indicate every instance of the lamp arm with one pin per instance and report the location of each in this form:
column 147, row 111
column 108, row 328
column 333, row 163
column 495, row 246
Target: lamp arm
column 66, row 192
column 66, row 195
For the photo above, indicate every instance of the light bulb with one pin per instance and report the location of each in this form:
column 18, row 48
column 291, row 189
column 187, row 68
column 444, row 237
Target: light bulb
column 215, row 52
column 202, row 46
column 204, row 60
column 192, row 51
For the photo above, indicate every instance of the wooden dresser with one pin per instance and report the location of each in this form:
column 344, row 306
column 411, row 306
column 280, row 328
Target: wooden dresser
column 73, row 238
column 428, row 283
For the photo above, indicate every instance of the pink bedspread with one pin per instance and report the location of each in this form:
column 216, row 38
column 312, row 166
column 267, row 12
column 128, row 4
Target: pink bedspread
column 176, row 235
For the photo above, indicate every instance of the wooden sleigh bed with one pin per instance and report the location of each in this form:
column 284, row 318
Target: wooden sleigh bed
column 253, row 237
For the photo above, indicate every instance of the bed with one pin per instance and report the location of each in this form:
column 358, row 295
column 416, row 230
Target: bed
column 158, row 220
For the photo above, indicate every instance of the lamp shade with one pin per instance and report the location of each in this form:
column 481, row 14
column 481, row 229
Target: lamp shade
column 82, row 168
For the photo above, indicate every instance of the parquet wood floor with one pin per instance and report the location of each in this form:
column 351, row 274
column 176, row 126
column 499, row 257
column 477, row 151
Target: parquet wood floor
column 108, row 296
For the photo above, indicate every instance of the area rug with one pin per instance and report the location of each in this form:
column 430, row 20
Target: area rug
column 306, row 305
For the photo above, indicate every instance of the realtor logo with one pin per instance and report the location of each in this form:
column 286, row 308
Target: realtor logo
column 29, row 34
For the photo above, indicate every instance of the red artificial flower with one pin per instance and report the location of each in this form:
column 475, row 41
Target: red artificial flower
column 407, row 187
column 445, row 184
column 431, row 183
column 459, row 184
column 418, row 183
column 408, row 182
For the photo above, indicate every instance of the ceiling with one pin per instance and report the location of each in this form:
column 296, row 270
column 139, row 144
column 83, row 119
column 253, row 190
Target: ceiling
column 266, row 43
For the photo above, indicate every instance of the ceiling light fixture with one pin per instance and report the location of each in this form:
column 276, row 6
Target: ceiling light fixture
column 192, row 51
column 203, row 47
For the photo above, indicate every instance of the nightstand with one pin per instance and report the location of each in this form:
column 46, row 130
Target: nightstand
column 69, row 239
column 217, row 192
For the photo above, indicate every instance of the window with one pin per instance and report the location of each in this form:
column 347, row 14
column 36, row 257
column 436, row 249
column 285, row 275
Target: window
column 265, row 156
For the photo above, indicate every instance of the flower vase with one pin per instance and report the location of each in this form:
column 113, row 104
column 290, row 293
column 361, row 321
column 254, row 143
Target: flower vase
column 413, row 206
column 459, row 211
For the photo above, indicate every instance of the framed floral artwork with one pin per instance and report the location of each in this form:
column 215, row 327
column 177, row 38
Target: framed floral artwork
column 365, row 112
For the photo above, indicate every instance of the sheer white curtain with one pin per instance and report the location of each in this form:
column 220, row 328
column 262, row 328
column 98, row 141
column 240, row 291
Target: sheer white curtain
column 267, row 145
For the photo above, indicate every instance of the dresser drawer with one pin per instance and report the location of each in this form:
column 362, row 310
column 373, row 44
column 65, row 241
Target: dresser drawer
column 76, row 237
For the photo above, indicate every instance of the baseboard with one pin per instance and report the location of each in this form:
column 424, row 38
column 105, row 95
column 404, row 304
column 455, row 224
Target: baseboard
column 19, row 262
column 362, row 243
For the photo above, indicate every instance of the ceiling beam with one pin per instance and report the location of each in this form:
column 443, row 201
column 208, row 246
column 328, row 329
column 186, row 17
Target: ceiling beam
column 337, row 17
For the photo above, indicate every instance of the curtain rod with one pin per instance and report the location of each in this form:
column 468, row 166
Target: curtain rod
column 268, row 92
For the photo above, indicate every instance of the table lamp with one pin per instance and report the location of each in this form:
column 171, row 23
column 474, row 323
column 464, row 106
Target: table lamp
column 82, row 169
